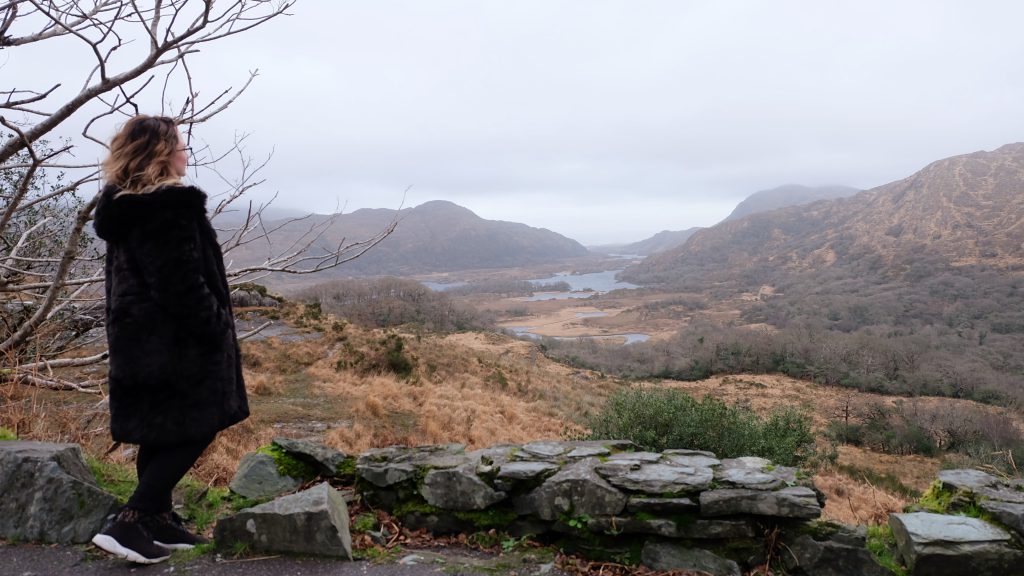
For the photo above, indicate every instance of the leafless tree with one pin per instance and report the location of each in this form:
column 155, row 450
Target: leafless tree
column 50, row 270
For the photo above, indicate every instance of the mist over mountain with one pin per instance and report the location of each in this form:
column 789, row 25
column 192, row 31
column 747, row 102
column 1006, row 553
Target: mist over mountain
column 963, row 210
column 788, row 195
column 761, row 201
column 436, row 236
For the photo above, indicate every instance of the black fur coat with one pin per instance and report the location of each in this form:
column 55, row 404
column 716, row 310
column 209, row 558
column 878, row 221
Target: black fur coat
column 175, row 367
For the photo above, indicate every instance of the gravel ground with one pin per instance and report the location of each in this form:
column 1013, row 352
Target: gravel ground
column 41, row 560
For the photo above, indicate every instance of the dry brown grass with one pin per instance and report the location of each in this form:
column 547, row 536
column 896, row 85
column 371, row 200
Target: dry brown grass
column 853, row 501
column 470, row 388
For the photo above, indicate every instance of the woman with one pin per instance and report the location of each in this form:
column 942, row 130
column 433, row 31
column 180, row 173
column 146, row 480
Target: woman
column 175, row 374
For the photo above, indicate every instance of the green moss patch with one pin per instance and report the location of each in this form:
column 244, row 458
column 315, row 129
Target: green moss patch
column 118, row 479
column 288, row 465
column 882, row 545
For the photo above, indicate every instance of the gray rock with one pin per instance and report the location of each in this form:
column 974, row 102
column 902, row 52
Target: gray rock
column 257, row 477
column 967, row 479
column 688, row 452
column 385, row 474
column 692, row 460
column 1010, row 514
column 588, row 452
column 641, row 457
column 794, row 502
column 830, row 557
column 665, row 556
column 325, row 459
column 545, row 449
column 458, row 489
column 313, row 521
column 48, row 494
column 1002, row 492
column 662, row 479
column 753, row 473
column 665, row 506
column 386, row 467
column 703, row 528
column 575, row 489
column 941, row 545
column 526, row 470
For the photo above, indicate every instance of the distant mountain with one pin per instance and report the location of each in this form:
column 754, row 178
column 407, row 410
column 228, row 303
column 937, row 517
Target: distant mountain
column 788, row 195
column 762, row 201
column 964, row 210
column 437, row 236
column 664, row 240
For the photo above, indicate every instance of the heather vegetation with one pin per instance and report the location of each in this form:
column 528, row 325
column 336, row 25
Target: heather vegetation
column 658, row 419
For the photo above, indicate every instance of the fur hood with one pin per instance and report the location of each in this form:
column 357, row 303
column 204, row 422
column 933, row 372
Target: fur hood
column 116, row 215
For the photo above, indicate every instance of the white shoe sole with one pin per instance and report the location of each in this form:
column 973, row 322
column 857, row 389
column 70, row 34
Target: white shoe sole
column 108, row 544
column 174, row 546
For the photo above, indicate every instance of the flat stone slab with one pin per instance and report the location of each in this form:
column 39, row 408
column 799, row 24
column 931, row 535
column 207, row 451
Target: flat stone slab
column 926, row 528
column 701, row 460
column 635, row 457
column 793, row 502
column 314, row 521
column 967, row 479
column 545, row 449
column 526, row 470
column 661, row 479
column 1009, row 513
column 588, row 451
column 693, row 529
column 664, row 506
column 943, row 545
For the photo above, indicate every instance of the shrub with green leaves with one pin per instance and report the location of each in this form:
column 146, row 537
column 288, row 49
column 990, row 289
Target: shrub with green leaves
column 659, row 419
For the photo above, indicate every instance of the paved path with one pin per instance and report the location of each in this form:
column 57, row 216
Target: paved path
column 40, row 560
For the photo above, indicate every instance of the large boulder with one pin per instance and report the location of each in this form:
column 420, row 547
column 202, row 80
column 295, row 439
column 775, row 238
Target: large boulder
column 943, row 545
column 257, row 477
column 458, row 489
column 48, row 494
column 840, row 553
column 314, row 521
column 576, row 489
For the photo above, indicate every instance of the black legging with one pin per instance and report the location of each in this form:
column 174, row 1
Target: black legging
column 160, row 468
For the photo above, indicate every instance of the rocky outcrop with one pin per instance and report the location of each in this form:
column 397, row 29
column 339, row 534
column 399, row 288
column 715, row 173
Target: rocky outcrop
column 48, row 494
column 313, row 521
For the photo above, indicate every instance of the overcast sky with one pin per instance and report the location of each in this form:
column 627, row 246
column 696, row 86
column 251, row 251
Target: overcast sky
column 610, row 121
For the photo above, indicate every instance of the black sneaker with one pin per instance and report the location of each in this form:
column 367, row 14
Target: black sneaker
column 168, row 531
column 127, row 538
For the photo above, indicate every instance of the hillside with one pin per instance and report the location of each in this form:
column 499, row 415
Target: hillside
column 761, row 201
column 436, row 236
column 962, row 210
column 660, row 242
column 788, row 195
